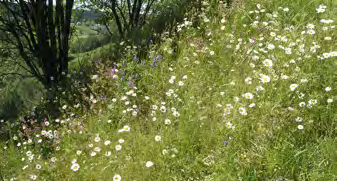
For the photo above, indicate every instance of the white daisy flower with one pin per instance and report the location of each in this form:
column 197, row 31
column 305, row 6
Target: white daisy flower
column 117, row 178
column 93, row 153
column 252, row 105
column 149, row 164
column 268, row 63
column 293, row 87
column 108, row 153
column 121, row 141
column 310, row 26
column 248, row 95
column 311, row 32
column 264, row 78
column 301, row 104
column 118, row 147
column 38, row 166
column 157, row 138
column 163, row 109
column 328, row 89
column 271, row 46
column 32, row 177
column 320, row 10
column 167, row 121
column 75, row 167
column 97, row 139
column 242, row 111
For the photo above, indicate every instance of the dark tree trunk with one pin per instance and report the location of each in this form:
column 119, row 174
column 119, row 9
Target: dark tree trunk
column 40, row 32
column 117, row 18
column 137, row 12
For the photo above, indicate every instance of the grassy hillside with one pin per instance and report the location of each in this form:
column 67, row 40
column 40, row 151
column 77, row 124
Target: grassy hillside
column 248, row 94
column 85, row 31
column 89, row 37
column 86, row 58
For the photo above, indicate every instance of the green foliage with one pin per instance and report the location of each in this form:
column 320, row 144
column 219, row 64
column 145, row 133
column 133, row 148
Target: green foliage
column 236, row 94
column 86, row 59
column 83, row 16
column 89, row 43
column 18, row 96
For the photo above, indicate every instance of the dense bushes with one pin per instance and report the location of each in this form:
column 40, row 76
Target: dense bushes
column 17, row 96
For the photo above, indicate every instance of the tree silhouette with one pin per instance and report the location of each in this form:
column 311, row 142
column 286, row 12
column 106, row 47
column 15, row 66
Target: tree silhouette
column 38, row 31
column 127, row 14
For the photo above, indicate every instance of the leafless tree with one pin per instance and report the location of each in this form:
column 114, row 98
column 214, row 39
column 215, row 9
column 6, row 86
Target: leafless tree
column 127, row 14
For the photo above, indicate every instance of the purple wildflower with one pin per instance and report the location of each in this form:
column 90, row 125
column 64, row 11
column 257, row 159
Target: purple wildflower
column 134, row 58
column 154, row 63
column 130, row 82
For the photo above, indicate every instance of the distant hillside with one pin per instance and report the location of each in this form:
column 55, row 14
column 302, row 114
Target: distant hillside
column 85, row 15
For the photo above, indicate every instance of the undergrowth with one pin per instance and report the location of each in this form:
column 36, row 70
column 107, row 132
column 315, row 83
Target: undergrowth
column 240, row 93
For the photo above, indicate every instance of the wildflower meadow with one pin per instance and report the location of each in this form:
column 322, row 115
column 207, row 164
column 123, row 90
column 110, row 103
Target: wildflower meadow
column 241, row 92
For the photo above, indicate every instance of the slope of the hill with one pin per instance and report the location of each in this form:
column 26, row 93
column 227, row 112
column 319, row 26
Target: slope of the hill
column 249, row 94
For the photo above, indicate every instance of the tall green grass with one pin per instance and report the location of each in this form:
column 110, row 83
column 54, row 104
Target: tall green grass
column 218, row 102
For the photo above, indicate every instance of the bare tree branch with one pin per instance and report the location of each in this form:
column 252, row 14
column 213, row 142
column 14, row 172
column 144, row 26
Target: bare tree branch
column 40, row 33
